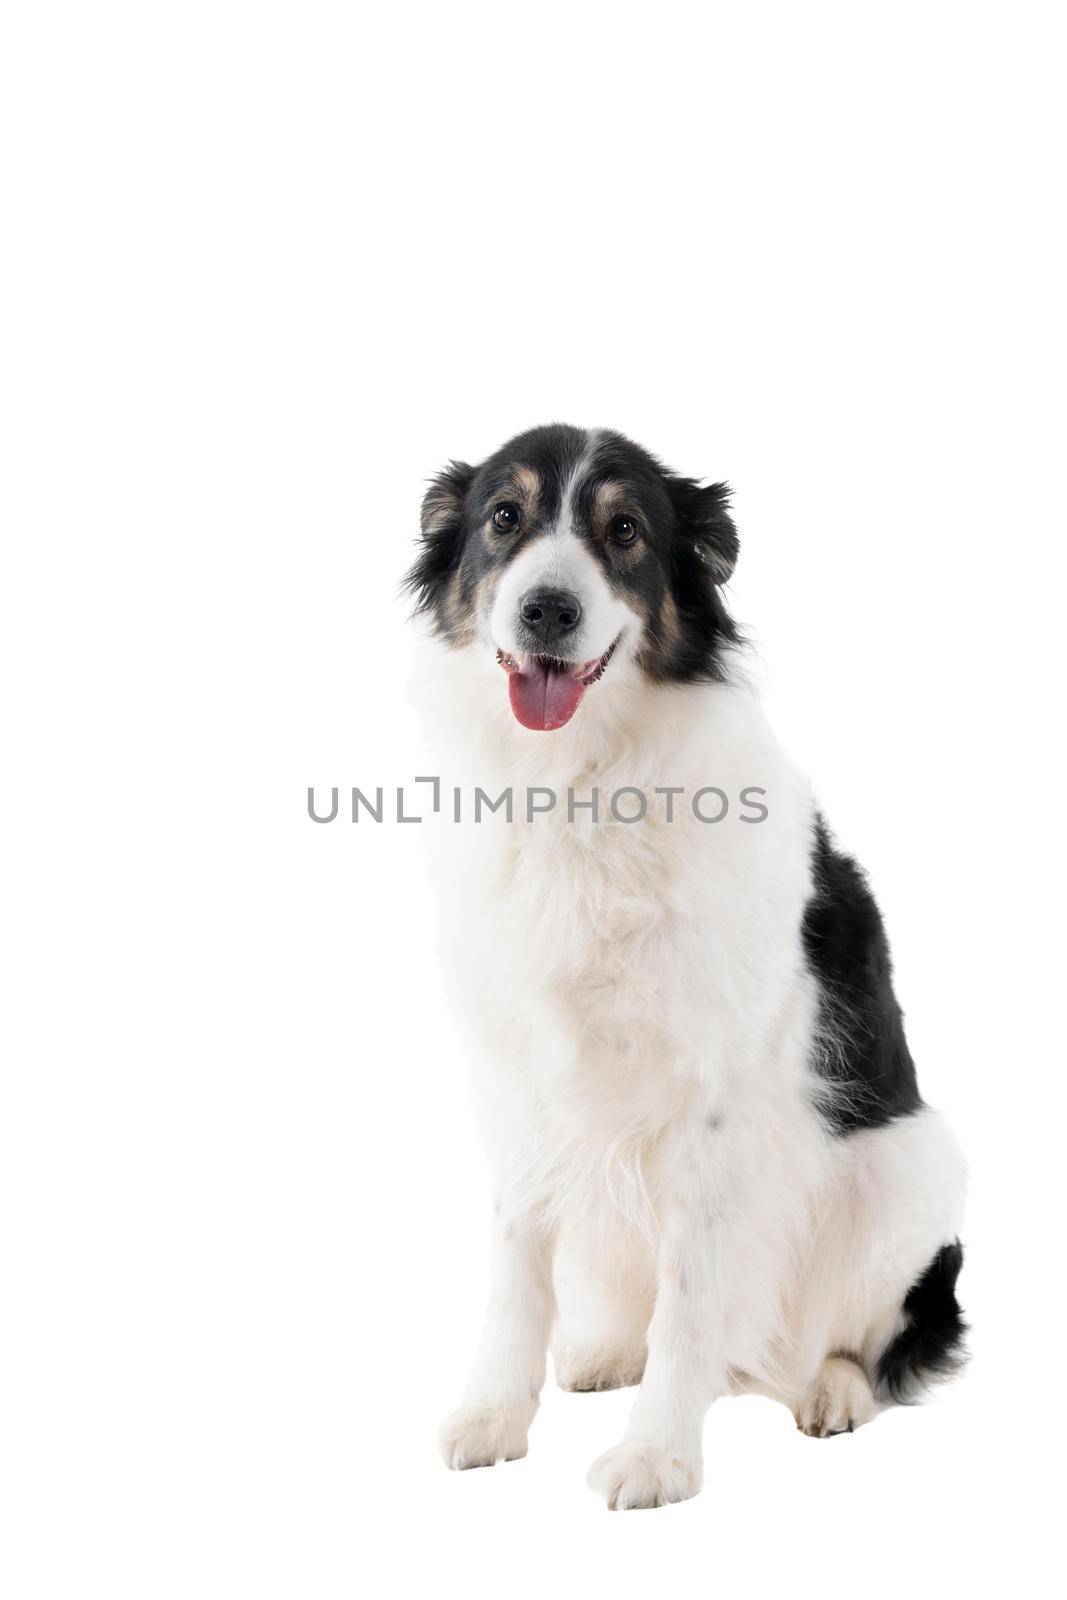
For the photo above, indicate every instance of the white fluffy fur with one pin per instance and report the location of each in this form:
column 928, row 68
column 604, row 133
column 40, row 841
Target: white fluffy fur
column 641, row 1022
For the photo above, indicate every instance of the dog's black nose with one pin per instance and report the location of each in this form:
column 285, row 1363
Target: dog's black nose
column 550, row 613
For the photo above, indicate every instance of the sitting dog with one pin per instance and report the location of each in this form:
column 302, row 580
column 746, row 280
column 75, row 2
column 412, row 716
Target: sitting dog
column 712, row 1169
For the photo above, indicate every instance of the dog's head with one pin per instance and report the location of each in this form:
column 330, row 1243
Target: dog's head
column 568, row 548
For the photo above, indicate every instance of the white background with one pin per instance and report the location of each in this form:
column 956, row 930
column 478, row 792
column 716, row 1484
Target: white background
column 267, row 267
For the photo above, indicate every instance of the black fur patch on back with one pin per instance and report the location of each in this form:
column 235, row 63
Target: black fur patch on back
column 863, row 1058
column 930, row 1345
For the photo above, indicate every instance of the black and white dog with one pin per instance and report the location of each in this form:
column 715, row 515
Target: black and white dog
column 713, row 1171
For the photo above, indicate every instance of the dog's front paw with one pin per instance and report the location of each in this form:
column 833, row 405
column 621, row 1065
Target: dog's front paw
column 635, row 1476
column 478, row 1436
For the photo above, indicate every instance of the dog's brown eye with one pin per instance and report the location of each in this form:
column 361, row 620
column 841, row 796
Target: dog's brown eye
column 623, row 530
column 506, row 518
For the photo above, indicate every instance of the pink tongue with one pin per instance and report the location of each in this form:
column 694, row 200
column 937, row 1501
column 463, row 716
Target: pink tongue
column 544, row 696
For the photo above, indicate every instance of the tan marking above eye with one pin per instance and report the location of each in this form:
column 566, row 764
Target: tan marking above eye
column 524, row 489
column 609, row 500
column 527, row 484
column 612, row 501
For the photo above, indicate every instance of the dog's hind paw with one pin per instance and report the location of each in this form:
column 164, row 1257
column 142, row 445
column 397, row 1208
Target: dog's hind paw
column 839, row 1401
column 582, row 1368
column 479, row 1436
column 635, row 1476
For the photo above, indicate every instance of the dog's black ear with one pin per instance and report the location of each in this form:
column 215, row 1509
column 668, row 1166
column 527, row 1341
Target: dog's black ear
column 442, row 505
column 442, row 535
column 705, row 522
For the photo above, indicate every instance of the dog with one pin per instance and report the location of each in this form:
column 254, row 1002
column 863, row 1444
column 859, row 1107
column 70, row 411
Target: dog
column 712, row 1169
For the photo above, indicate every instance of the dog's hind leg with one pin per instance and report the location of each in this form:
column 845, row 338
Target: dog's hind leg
column 875, row 1319
column 604, row 1293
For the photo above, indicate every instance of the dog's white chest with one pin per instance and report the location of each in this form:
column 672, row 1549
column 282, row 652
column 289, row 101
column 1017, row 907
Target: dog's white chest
column 601, row 938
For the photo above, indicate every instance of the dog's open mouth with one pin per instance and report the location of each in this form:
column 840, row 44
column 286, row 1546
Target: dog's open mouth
column 544, row 692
